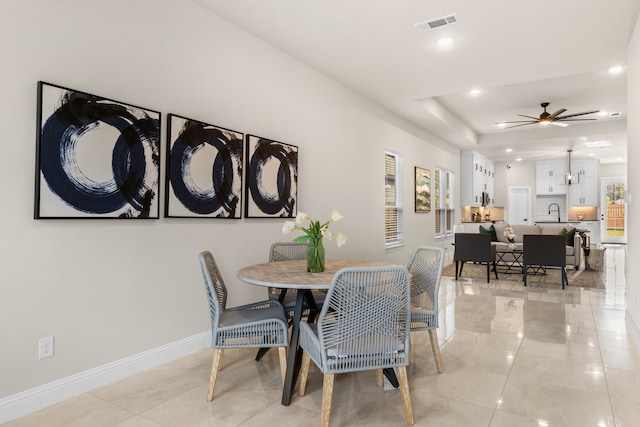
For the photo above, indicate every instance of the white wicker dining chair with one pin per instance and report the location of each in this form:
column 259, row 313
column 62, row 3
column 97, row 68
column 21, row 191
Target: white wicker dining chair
column 425, row 272
column 363, row 325
column 261, row 324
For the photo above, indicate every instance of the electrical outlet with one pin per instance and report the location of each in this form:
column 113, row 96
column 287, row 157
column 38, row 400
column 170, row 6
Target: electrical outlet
column 45, row 347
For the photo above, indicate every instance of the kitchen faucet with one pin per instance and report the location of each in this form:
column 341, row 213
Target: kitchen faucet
column 557, row 210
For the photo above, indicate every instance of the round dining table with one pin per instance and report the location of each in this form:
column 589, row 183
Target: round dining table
column 293, row 275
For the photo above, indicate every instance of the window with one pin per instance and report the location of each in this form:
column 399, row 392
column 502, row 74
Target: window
column 392, row 200
column 443, row 202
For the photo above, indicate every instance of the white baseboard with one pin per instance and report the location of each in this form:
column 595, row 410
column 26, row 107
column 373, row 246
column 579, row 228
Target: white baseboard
column 20, row 404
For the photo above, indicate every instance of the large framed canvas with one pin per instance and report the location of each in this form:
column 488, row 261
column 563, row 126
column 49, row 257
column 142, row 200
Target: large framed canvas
column 423, row 189
column 272, row 179
column 95, row 157
column 204, row 170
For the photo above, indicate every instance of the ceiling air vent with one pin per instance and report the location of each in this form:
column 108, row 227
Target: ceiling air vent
column 618, row 114
column 436, row 23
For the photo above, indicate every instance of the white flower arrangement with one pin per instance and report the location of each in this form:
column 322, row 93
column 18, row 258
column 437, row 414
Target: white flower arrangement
column 509, row 234
column 314, row 231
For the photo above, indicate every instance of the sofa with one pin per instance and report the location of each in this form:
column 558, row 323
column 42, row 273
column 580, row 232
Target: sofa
column 573, row 253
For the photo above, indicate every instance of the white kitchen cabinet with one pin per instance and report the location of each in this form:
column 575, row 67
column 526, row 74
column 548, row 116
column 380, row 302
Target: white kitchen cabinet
column 584, row 190
column 550, row 177
column 594, row 231
column 477, row 175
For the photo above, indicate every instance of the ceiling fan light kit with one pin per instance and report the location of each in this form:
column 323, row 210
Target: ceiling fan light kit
column 556, row 118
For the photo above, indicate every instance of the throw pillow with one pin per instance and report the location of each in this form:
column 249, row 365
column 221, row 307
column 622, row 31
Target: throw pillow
column 492, row 231
column 570, row 234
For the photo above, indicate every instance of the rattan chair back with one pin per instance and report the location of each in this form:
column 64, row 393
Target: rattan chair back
column 425, row 272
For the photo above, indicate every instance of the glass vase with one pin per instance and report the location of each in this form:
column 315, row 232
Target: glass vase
column 315, row 256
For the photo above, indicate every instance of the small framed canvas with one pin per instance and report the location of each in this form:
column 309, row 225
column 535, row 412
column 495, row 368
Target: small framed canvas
column 204, row 170
column 95, row 157
column 423, row 189
column 272, row 179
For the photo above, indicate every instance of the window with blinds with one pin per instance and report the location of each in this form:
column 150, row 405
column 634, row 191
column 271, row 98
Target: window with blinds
column 392, row 199
column 443, row 202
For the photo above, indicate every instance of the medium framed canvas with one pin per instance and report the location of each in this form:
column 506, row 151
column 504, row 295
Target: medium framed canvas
column 272, row 179
column 423, row 189
column 95, row 157
column 204, row 170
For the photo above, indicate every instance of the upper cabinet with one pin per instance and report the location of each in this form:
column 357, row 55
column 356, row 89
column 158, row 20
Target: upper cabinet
column 550, row 177
column 583, row 191
column 477, row 174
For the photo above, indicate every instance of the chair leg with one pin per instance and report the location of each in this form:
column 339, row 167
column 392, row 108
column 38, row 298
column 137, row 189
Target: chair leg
column 215, row 366
column 456, row 270
column 379, row 377
column 435, row 347
column 565, row 279
column 488, row 272
column 304, row 372
column 327, row 393
column 524, row 274
column 282, row 353
column 404, row 390
column 495, row 269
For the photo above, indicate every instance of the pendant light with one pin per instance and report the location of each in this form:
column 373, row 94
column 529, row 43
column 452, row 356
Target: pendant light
column 569, row 177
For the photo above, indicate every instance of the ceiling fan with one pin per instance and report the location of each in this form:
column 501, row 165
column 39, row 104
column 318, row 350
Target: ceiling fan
column 549, row 118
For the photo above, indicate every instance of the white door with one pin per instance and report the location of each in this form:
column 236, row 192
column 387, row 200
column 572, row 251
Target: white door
column 519, row 209
column 613, row 210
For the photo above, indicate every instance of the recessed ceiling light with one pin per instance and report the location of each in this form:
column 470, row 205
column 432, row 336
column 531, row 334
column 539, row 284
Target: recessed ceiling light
column 602, row 113
column 591, row 154
column 445, row 42
column 508, row 150
column 616, row 69
column 501, row 125
column 518, row 159
column 474, row 92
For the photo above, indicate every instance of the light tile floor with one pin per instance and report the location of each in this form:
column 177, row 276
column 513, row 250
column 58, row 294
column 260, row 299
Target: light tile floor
column 534, row 357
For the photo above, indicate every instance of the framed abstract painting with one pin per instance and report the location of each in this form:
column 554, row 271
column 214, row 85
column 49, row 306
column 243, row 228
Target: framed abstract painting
column 95, row 157
column 204, row 170
column 272, row 179
column 423, row 189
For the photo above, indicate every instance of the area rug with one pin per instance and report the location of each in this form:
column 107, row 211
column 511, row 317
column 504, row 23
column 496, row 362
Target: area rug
column 584, row 278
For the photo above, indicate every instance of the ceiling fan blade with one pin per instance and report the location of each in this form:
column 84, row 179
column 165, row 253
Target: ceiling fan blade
column 522, row 124
column 576, row 114
column 558, row 123
column 518, row 121
column 572, row 120
column 557, row 113
column 529, row 117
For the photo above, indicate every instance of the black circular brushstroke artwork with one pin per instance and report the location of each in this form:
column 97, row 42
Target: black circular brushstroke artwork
column 222, row 200
column 134, row 159
column 282, row 202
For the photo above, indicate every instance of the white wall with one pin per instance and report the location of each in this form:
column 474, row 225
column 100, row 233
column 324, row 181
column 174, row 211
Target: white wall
column 633, row 179
column 519, row 174
column 108, row 289
column 613, row 169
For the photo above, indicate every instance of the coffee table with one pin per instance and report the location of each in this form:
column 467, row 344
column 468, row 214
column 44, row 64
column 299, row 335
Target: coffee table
column 512, row 266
